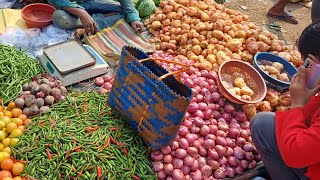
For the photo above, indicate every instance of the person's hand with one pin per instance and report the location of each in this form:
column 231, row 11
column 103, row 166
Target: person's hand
column 88, row 23
column 137, row 26
column 299, row 93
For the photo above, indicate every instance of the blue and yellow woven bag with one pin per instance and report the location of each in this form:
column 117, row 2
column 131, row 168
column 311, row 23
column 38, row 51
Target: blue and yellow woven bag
column 152, row 100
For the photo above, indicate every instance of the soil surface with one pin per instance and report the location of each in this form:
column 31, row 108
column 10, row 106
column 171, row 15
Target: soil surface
column 257, row 9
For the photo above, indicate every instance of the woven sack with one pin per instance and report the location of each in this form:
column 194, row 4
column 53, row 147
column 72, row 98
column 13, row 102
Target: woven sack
column 150, row 98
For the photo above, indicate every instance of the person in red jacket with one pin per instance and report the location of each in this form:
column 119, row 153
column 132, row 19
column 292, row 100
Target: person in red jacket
column 289, row 141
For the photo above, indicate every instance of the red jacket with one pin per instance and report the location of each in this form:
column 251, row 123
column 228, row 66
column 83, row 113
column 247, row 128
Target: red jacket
column 298, row 137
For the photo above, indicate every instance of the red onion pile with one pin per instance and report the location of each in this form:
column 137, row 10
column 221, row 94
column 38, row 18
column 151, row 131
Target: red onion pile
column 105, row 82
column 214, row 140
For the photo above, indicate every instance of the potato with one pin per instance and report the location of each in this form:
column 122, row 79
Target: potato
column 272, row 70
column 245, row 90
column 232, row 92
column 277, row 65
column 237, row 90
column 239, row 82
column 262, row 67
column 283, row 77
column 226, row 85
column 246, row 97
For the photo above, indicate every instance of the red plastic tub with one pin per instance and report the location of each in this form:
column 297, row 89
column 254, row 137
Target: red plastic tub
column 38, row 15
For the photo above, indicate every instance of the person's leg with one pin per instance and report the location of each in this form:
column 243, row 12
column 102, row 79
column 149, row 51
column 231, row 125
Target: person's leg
column 264, row 138
column 278, row 11
column 65, row 20
column 315, row 11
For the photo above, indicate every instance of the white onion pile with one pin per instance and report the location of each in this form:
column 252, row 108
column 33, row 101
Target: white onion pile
column 214, row 140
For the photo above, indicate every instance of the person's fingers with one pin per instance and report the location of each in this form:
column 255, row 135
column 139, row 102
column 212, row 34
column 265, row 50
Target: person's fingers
column 141, row 28
column 95, row 27
column 314, row 59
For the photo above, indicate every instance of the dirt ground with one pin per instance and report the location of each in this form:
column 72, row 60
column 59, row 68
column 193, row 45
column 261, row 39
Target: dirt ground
column 256, row 9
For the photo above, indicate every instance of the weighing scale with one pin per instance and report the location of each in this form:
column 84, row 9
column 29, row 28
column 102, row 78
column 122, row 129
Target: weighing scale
column 72, row 62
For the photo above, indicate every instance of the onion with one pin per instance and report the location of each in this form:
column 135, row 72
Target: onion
column 216, row 114
column 252, row 165
column 212, row 154
column 257, row 157
column 196, row 144
column 183, row 143
column 234, row 133
column 107, row 85
column 221, row 120
column 221, row 141
column 220, row 150
column 215, row 97
column 221, row 133
column 244, row 164
column 219, row 173
column 212, row 107
column 202, row 151
column 196, row 175
column 177, row 163
column 235, row 125
column 210, row 136
column 212, row 75
column 191, row 137
column 238, row 170
column 223, row 126
column 192, row 151
column 161, row 175
column 239, row 153
column 213, row 164
column 205, row 130
column 157, row 166
column 245, row 125
column 208, row 113
column 191, row 70
column 195, row 129
column 229, row 151
column 231, row 142
column 205, row 92
column 167, row 159
column 175, row 145
column 188, row 161
column 193, row 107
column 222, row 160
column 212, row 89
column 156, row 156
column 248, row 147
column 202, row 106
column 229, row 108
column 185, row 170
column 233, row 161
column 221, row 102
column 198, row 122
column 199, row 114
column 168, row 168
column 199, row 97
column 206, row 170
column 181, row 153
column 230, row 172
column 240, row 141
column 166, row 150
column 213, row 129
column 99, row 81
column 244, row 134
column 195, row 165
column 249, row 156
column 187, row 123
column 241, row 116
column 177, row 174
column 209, row 143
column 202, row 161
column 211, row 82
column 183, row 131
column 107, row 78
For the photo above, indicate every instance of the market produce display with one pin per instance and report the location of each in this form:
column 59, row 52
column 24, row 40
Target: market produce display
column 81, row 138
column 104, row 82
column 16, row 68
column 39, row 94
column 209, row 34
column 274, row 69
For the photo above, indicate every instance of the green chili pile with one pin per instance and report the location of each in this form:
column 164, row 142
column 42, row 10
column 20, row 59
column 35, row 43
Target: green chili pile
column 82, row 139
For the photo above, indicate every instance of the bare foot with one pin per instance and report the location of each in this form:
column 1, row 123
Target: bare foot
column 284, row 17
column 79, row 32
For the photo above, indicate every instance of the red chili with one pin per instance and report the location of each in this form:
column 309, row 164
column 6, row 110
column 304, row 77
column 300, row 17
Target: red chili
column 49, row 154
column 67, row 154
column 125, row 151
column 77, row 113
column 99, row 173
column 114, row 128
column 115, row 142
column 135, row 177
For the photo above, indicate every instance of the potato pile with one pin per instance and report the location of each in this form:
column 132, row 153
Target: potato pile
column 210, row 34
column 239, row 89
column 39, row 94
column 275, row 70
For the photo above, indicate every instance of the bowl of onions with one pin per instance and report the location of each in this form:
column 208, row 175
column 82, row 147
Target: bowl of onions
column 241, row 83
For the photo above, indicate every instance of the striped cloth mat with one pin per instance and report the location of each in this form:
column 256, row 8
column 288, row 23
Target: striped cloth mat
column 109, row 41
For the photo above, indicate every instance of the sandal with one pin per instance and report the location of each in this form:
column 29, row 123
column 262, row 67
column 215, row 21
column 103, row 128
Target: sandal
column 286, row 17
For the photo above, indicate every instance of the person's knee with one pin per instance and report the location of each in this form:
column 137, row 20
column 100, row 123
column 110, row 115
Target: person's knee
column 260, row 121
column 64, row 20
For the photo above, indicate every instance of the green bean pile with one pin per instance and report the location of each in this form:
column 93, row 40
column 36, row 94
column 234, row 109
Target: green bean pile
column 16, row 68
column 82, row 139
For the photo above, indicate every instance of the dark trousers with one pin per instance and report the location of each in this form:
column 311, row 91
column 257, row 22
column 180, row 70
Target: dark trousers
column 264, row 137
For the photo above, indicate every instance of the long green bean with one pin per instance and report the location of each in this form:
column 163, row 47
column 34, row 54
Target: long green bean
column 66, row 148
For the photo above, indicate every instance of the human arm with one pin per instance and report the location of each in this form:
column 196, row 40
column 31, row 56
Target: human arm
column 132, row 15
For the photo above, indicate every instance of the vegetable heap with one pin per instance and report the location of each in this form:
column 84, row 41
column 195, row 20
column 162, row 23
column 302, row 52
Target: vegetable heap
column 104, row 82
column 80, row 138
column 12, row 126
column 16, row 68
column 39, row 94
column 213, row 141
column 209, row 34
